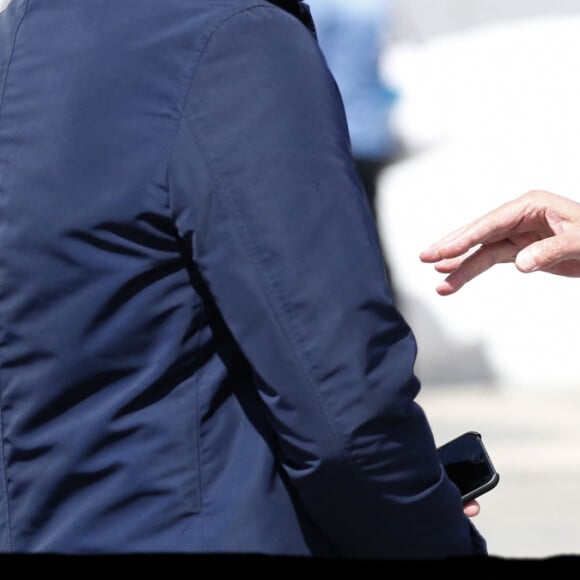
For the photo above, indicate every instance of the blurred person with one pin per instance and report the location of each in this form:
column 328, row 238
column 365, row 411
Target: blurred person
column 353, row 37
column 200, row 352
column 538, row 231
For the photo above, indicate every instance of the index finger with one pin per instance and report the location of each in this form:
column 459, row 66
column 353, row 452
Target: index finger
column 488, row 228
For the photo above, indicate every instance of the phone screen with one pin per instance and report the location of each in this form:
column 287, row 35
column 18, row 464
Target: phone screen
column 468, row 465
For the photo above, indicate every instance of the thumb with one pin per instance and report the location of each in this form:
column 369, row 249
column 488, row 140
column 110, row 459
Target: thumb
column 542, row 254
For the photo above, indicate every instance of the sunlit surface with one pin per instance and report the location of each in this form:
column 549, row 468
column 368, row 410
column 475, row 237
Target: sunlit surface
column 487, row 114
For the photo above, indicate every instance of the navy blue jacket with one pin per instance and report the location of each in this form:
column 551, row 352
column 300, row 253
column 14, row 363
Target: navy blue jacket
column 199, row 351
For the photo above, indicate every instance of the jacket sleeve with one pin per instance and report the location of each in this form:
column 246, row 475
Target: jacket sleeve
column 263, row 186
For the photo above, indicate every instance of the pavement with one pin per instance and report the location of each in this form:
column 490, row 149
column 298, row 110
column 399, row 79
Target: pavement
column 533, row 438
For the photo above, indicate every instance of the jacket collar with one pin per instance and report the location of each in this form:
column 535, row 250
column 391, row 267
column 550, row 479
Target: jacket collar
column 299, row 9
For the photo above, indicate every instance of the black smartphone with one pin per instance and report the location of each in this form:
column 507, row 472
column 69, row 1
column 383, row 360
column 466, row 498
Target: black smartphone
column 468, row 465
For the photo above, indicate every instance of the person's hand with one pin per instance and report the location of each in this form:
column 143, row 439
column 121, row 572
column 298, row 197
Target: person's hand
column 538, row 231
column 471, row 508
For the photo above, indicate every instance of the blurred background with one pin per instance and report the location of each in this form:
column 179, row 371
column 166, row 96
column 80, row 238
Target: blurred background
column 487, row 107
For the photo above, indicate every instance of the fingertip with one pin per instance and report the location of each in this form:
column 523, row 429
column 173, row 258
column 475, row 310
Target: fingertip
column 449, row 286
column 471, row 509
column 444, row 289
column 526, row 262
column 434, row 253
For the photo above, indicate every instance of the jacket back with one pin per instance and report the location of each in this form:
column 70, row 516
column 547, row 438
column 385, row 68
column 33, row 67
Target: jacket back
column 191, row 359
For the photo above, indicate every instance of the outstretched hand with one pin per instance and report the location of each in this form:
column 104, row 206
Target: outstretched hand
column 538, row 231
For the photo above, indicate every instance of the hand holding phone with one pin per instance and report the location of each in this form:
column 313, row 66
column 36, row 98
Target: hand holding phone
column 468, row 465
